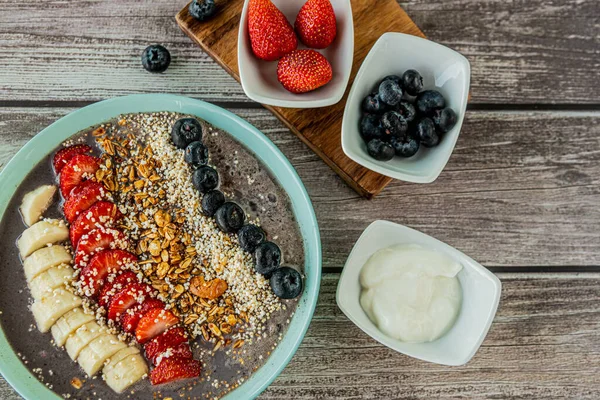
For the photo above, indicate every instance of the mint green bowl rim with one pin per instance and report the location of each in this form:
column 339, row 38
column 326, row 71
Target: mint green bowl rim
column 11, row 367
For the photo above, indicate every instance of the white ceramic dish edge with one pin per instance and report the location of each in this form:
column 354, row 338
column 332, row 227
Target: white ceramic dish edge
column 349, row 287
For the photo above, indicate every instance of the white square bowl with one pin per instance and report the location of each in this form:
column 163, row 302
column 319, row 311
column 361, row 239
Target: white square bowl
column 480, row 288
column 259, row 78
column 442, row 69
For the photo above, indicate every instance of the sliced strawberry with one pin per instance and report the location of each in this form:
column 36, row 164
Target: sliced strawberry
column 63, row 156
column 96, row 241
column 153, row 323
column 100, row 266
column 182, row 350
column 130, row 319
column 130, row 295
column 169, row 339
column 114, row 284
column 315, row 24
column 77, row 189
column 271, row 35
column 85, row 198
column 175, row 368
column 78, row 169
column 102, row 213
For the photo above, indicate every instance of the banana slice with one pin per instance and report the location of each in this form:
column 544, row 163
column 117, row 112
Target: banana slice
column 95, row 354
column 45, row 258
column 41, row 234
column 68, row 323
column 82, row 337
column 35, row 203
column 125, row 373
column 49, row 280
column 119, row 356
column 53, row 306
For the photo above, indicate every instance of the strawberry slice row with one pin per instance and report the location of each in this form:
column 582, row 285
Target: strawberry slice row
column 106, row 276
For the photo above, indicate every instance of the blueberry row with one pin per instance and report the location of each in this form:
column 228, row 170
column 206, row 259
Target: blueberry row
column 230, row 217
column 400, row 116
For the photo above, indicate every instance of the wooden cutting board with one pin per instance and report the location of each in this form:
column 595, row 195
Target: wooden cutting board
column 319, row 128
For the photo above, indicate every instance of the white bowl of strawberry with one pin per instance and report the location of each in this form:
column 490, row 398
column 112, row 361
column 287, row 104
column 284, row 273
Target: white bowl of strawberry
column 295, row 53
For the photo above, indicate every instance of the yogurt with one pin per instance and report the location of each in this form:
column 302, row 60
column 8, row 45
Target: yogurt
column 412, row 294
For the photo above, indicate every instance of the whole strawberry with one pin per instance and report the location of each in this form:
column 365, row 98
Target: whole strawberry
column 303, row 70
column 315, row 24
column 271, row 35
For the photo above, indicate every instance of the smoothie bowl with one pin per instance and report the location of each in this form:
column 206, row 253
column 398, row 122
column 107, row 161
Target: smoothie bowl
column 180, row 256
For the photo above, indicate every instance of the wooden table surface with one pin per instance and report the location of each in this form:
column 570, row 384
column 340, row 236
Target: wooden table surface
column 521, row 193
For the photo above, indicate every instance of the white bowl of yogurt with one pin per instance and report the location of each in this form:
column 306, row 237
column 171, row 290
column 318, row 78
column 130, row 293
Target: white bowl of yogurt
column 418, row 295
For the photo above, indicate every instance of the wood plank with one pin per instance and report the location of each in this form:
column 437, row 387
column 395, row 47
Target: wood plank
column 520, row 52
column 319, row 128
column 544, row 343
column 521, row 189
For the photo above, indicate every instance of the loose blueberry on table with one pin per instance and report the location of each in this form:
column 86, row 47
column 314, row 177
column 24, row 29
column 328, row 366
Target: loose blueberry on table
column 156, row 58
column 202, row 9
column 400, row 117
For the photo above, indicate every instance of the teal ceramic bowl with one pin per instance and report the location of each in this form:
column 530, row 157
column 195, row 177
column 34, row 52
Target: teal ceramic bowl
column 47, row 140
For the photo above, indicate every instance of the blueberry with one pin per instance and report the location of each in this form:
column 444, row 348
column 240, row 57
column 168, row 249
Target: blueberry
column 250, row 236
column 286, row 283
column 390, row 92
column 406, row 146
column 394, row 78
column 425, row 132
column 230, row 217
column 412, row 82
column 393, row 124
column 373, row 104
column 202, row 9
column 429, row 101
column 407, row 110
column 211, row 201
column 267, row 257
column 196, row 154
column 186, row 131
column 205, row 178
column 156, row 58
column 380, row 150
column 370, row 127
column 444, row 120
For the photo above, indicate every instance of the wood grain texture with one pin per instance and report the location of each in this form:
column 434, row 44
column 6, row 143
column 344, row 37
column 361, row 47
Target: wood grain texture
column 319, row 128
column 539, row 51
column 520, row 190
column 544, row 343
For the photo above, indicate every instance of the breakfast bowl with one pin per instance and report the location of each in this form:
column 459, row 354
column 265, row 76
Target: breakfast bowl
column 259, row 78
column 442, row 69
column 38, row 369
column 480, row 296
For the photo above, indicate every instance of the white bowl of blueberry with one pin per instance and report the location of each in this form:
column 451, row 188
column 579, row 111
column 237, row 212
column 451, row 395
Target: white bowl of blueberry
column 406, row 107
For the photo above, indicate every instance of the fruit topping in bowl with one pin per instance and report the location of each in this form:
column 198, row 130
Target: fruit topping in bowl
column 271, row 35
column 273, row 38
column 302, row 71
column 315, row 24
column 401, row 116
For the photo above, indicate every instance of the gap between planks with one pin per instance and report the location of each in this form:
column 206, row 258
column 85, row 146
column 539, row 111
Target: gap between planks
column 574, row 109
